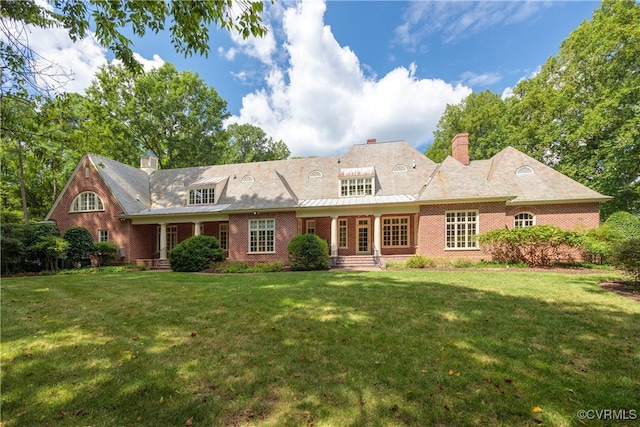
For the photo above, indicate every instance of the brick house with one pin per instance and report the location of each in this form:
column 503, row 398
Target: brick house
column 378, row 201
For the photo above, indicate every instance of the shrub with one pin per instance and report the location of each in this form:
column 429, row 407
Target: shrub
column 53, row 247
column 308, row 252
column 195, row 254
column 419, row 261
column 80, row 245
column 624, row 225
column 37, row 256
column 626, row 256
column 106, row 252
column 541, row 245
column 13, row 248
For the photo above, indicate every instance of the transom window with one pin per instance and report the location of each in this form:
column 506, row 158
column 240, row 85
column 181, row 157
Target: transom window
column 395, row 231
column 524, row 219
column 87, row 202
column 461, row 230
column 262, row 235
column 202, row 196
column 356, row 187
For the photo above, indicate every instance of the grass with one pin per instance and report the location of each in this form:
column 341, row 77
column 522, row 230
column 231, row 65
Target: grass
column 432, row 348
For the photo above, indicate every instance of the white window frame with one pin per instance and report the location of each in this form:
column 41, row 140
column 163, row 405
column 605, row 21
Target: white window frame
column 459, row 232
column 223, row 230
column 343, row 233
column 87, row 201
column 389, row 223
column 103, row 235
column 524, row 219
column 356, row 187
column 262, row 236
column 311, row 226
column 202, row 196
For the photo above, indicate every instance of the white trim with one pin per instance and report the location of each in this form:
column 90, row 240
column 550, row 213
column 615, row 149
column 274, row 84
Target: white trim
column 477, row 229
column 408, row 218
column 249, row 222
column 533, row 219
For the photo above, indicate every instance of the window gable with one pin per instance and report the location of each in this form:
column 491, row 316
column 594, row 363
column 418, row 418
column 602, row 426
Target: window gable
column 87, row 201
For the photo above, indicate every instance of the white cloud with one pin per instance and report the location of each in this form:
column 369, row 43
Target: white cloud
column 474, row 79
column 319, row 102
column 453, row 21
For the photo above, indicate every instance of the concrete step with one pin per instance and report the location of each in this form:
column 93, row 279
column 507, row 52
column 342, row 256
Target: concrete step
column 355, row 262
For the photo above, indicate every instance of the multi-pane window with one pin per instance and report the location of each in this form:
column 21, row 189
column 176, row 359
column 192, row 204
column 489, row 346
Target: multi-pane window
column 356, row 187
column 262, row 235
column 461, row 230
column 395, row 231
column 103, row 235
column 223, row 236
column 87, row 201
column 342, row 233
column 202, row 196
column 311, row 226
column 524, row 219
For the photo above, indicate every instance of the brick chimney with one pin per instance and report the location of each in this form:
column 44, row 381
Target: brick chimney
column 371, row 141
column 460, row 148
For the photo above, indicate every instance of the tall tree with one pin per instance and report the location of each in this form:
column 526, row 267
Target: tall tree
column 108, row 21
column 248, row 143
column 582, row 110
column 484, row 116
column 174, row 114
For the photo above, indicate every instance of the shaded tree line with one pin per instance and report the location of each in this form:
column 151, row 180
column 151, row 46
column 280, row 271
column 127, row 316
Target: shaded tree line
column 123, row 114
column 579, row 114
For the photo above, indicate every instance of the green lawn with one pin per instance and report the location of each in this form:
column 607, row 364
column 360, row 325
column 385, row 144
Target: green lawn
column 428, row 348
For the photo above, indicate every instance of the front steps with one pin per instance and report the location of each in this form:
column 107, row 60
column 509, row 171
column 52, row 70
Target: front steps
column 355, row 262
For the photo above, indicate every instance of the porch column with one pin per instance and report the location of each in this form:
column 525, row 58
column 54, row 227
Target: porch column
column 196, row 228
column 377, row 234
column 334, row 236
column 163, row 240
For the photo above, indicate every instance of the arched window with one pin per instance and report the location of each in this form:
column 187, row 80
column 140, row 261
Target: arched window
column 524, row 219
column 248, row 178
column 525, row 170
column 87, row 202
column 399, row 168
column 315, row 174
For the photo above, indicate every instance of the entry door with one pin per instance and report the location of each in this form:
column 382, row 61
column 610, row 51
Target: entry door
column 363, row 237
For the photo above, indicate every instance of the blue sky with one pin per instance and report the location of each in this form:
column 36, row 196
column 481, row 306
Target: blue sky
column 332, row 74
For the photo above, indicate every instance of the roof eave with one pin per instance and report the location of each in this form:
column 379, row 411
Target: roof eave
column 559, row 201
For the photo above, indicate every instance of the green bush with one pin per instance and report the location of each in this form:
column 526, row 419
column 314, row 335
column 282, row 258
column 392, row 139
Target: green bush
column 308, row 252
column 53, row 247
column 36, row 257
column 419, row 261
column 541, row 245
column 13, row 248
column 195, row 254
column 626, row 256
column 624, row 225
column 80, row 246
column 106, row 252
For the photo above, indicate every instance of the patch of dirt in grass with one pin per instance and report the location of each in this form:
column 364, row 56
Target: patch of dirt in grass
column 626, row 289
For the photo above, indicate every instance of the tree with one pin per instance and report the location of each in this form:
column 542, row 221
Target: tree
column 248, row 143
column 109, row 21
column 581, row 110
column 174, row 114
column 484, row 116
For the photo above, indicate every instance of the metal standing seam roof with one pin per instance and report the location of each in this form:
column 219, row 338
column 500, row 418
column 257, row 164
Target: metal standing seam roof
column 354, row 201
column 204, row 182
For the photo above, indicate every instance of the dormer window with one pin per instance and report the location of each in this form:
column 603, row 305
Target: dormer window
column 357, row 181
column 203, row 191
column 202, row 196
column 87, row 202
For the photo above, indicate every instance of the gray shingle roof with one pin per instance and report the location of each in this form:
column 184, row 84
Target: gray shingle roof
column 402, row 175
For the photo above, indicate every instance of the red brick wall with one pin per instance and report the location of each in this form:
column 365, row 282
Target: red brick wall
column 119, row 231
column 569, row 216
column 286, row 229
column 431, row 240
